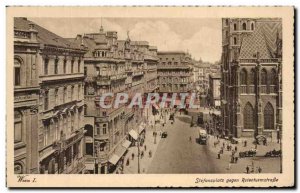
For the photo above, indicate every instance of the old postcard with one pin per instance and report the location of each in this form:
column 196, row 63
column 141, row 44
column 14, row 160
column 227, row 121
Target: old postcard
column 150, row 97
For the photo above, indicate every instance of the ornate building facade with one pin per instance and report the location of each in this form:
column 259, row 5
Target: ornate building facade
column 175, row 72
column 48, row 78
column 251, row 77
column 114, row 66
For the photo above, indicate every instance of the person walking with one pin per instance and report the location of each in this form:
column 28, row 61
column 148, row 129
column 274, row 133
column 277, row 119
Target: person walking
column 259, row 169
column 247, row 169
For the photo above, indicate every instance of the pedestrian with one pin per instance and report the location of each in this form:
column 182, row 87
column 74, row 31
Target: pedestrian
column 236, row 159
column 245, row 143
column 247, row 169
column 190, row 139
column 132, row 155
column 219, row 155
column 229, row 166
column 235, row 148
column 145, row 147
column 259, row 169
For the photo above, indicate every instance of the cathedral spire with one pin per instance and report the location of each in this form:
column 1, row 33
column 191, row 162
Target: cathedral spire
column 101, row 28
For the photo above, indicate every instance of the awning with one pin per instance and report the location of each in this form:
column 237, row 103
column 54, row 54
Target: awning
column 65, row 110
column 88, row 139
column 133, row 134
column 114, row 159
column 89, row 166
column 126, row 144
column 118, row 153
column 141, row 128
column 73, row 107
column 45, row 155
column 155, row 106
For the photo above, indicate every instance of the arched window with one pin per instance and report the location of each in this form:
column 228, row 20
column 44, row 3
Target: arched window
column 264, row 77
column 234, row 41
column 226, row 22
column 243, row 77
column 234, row 27
column 272, row 77
column 17, row 72
column 249, row 122
column 252, row 26
column 269, row 117
column 252, row 77
column 18, row 168
column 244, row 26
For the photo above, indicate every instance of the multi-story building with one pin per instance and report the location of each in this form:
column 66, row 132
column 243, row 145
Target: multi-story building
column 175, row 72
column 114, row 66
column 26, row 97
column 214, row 90
column 251, row 77
column 48, row 101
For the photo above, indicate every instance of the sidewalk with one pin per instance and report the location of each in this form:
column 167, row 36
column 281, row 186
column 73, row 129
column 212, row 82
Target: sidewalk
column 268, row 164
column 132, row 168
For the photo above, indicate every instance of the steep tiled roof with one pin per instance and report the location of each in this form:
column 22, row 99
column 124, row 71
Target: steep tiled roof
column 44, row 36
column 262, row 40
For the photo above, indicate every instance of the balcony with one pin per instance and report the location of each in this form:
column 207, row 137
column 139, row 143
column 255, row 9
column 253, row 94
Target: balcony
column 137, row 73
column 101, row 137
column 263, row 89
column 75, row 167
column 58, row 77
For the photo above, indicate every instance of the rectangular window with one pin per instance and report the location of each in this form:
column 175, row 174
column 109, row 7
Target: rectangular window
column 97, row 71
column 17, row 76
column 79, row 63
column 104, row 130
column 18, row 131
column 72, row 66
column 56, row 66
column 79, row 91
column 46, row 66
column 46, row 100
column 85, row 71
column 65, row 66
column 72, row 93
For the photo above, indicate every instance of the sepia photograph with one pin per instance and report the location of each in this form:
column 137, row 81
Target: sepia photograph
column 114, row 97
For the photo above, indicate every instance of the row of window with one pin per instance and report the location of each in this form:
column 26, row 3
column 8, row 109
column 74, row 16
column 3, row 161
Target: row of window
column 64, row 96
column 56, row 66
column 249, row 117
column 54, row 130
column 169, row 63
column 164, row 80
column 265, row 77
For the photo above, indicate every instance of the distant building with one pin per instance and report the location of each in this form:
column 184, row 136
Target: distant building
column 48, row 79
column 175, row 72
column 214, row 97
column 251, row 77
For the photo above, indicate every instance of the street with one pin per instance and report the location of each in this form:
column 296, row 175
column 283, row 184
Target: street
column 176, row 154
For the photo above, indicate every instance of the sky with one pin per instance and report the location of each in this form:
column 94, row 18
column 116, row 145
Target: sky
column 202, row 38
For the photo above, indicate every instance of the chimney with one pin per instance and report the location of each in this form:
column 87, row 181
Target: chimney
column 33, row 32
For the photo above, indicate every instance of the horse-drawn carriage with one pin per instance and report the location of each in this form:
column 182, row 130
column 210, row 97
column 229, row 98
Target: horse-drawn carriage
column 250, row 153
column 273, row 153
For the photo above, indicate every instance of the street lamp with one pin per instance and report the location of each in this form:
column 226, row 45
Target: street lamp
column 96, row 166
column 138, row 144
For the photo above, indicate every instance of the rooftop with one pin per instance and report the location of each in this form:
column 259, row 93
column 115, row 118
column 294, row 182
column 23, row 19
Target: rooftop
column 264, row 39
column 44, row 36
